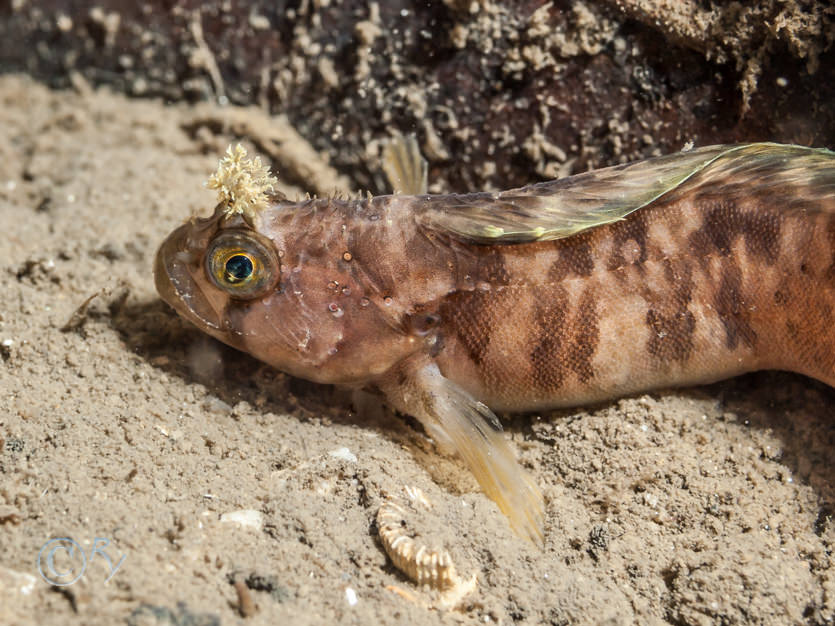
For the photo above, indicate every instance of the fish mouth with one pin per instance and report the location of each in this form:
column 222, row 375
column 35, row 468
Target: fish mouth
column 180, row 279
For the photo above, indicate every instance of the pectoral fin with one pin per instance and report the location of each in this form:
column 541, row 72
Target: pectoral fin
column 457, row 419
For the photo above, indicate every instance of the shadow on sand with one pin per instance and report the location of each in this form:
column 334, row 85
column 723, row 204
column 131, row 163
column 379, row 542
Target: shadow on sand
column 797, row 410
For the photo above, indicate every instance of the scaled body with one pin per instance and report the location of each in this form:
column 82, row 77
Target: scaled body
column 673, row 271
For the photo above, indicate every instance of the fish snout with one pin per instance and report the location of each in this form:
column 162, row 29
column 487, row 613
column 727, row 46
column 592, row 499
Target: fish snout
column 181, row 281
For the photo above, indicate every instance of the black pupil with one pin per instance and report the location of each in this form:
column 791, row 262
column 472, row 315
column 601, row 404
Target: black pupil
column 238, row 268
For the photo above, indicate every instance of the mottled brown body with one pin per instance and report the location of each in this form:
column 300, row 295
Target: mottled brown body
column 688, row 290
column 675, row 271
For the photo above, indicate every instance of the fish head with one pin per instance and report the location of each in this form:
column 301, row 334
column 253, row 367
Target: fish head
column 281, row 289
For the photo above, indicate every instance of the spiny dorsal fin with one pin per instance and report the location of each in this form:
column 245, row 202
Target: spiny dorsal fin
column 561, row 208
column 404, row 165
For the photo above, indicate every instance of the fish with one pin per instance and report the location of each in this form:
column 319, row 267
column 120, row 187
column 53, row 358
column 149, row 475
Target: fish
column 673, row 271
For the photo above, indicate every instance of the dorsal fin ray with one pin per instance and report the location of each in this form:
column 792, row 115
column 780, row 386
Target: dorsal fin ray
column 404, row 165
column 561, row 208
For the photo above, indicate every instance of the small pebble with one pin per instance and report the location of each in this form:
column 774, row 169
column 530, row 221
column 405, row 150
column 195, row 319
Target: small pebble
column 245, row 517
column 350, row 596
column 343, row 453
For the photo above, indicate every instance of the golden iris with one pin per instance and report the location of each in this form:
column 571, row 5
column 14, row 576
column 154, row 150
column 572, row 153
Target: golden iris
column 242, row 263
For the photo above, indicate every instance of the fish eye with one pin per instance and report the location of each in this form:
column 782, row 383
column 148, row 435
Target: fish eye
column 242, row 263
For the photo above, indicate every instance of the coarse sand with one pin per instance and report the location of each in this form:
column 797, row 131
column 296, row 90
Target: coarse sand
column 226, row 489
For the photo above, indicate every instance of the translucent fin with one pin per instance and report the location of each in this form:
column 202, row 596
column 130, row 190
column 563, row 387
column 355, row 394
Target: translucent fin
column 405, row 166
column 561, row 208
column 475, row 433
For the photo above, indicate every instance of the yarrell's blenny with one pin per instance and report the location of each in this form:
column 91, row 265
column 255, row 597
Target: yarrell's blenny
column 676, row 270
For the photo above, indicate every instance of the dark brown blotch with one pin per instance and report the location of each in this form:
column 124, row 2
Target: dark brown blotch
column 762, row 234
column 731, row 308
column 714, row 237
column 670, row 321
column 490, row 267
column 574, row 258
column 586, row 338
column 563, row 343
column 469, row 315
column 548, row 336
column 671, row 337
column 725, row 222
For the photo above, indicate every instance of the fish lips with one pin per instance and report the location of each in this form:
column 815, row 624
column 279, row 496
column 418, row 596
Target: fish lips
column 181, row 280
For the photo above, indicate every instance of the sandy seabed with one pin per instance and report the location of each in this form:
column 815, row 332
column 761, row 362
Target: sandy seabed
column 120, row 422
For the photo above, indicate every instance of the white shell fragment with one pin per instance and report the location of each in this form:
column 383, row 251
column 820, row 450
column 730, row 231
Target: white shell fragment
column 345, row 454
column 246, row 517
column 16, row 582
column 351, row 596
column 422, row 564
